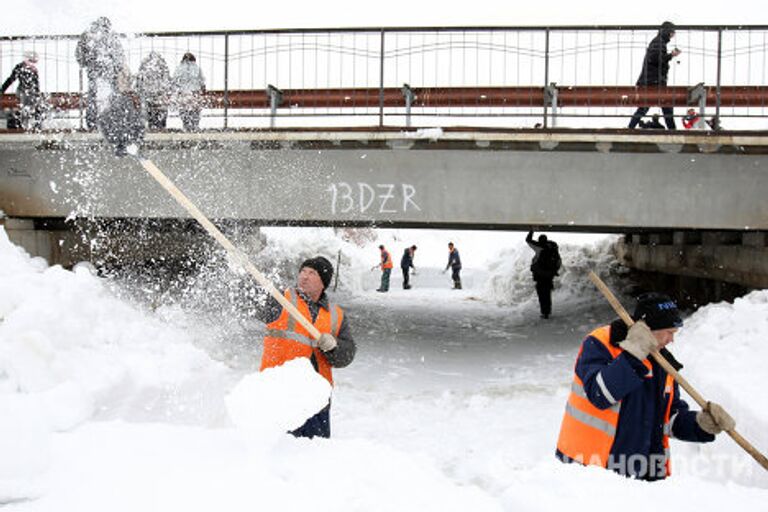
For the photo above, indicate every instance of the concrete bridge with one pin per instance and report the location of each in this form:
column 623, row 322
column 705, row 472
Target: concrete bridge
column 691, row 203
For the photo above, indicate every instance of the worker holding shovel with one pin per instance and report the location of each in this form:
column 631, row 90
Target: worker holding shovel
column 286, row 339
column 623, row 406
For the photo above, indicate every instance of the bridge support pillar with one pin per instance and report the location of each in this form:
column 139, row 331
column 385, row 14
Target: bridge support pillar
column 705, row 263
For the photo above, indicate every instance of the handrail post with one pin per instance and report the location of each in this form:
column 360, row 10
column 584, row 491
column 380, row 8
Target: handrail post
column 381, row 81
column 226, row 80
column 719, row 71
column 546, row 73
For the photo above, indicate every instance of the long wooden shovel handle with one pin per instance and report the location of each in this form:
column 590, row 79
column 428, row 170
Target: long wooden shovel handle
column 233, row 251
column 746, row 445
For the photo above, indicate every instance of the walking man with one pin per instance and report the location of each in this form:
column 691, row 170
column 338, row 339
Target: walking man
column 406, row 264
column 386, row 269
column 655, row 70
column 544, row 267
column 454, row 263
column 31, row 101
column 623, row 406
column 286, row 339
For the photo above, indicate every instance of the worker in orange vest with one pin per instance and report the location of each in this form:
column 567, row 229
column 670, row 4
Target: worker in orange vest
column 623, row 407
column 386, row 266
column 286, row 339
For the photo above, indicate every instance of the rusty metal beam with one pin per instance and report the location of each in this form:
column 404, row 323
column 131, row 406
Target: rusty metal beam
column 443, row 97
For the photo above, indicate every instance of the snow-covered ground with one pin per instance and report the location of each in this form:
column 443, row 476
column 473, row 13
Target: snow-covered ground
column 453, row 402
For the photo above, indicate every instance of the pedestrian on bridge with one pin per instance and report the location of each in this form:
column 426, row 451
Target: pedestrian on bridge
column 655, row 71
column 386, row 266
column 454, row 263
column 545, row 266
column 623, row 406
column 31, row 101
column 153, row 85
column 100, row 52
column 406, row 264
column 286, row 339
column 189, row 85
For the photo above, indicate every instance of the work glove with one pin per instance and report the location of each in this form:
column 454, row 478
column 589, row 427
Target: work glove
column 713, row 419
column 640, row 341
column 326, row 342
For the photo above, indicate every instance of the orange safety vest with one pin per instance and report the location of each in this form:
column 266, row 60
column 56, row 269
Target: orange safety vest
column 287, row 339
column 587, row 433
column 386, row 260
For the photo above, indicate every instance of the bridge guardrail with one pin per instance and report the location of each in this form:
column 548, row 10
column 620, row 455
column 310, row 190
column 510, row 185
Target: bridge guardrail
column 580, row 77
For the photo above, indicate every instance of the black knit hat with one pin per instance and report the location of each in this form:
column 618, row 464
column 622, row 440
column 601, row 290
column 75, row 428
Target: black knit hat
column 659, row 311
column 322, row 266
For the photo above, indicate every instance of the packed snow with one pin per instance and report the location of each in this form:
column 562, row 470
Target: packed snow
column 453, row 402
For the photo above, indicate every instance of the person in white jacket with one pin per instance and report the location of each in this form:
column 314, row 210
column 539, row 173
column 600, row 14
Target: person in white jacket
column 189, row 85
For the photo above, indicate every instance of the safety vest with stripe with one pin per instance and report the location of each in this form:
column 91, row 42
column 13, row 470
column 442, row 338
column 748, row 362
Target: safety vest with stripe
column 587, row 433
column 287, row 339
column 386, row 260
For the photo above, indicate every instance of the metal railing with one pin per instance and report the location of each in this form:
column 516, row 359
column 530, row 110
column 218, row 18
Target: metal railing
column 570, row 77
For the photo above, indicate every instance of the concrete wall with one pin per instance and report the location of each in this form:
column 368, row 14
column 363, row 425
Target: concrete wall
column 584, row 182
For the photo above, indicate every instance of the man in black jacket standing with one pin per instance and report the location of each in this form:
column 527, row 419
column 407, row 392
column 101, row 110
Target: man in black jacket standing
column 544, row 267
column 406, row 264
column 655, row 70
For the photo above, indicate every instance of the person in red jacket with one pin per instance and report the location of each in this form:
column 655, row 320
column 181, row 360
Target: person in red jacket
column 623, row 407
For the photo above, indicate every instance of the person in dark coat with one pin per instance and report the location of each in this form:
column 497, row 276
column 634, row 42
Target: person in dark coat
column 655, row 70
column 285, row 339
column 100, row 52
column 653, row 124
column 624, row 408
column 544, row 267
column 121, row 122
column 406, row 264
column 31, row 101
column 153, row 85
column 454, row 263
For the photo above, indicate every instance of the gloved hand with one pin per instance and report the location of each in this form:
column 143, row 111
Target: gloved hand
column 714, row 419
column 326, row 342
column 640, row 341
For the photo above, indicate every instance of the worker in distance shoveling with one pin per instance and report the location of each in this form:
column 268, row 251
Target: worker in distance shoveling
column 623, row 406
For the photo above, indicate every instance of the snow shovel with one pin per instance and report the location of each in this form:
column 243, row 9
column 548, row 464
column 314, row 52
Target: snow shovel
column 236, row 254
column 759, row 457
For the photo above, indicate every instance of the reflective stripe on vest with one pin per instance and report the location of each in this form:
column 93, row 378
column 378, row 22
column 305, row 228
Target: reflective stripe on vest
column 587, row 433
column 286, row 339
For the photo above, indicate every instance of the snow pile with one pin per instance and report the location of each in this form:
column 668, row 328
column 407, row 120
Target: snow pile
column 723, row 347
column 266, row 405
column 510, row 281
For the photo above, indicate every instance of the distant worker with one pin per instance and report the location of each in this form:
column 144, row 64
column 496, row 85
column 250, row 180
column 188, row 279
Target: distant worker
column 623, row 407
column 454, row 263
column 653, row 124
column 189, row 84
column 406, row 264
column 386, row 266
column 100, row 52
column 545, row 266
column 655, row 71
column 31, row 101
column 286, row 339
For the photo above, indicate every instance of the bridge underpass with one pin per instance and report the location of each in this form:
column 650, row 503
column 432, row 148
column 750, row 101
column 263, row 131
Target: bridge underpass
column 691, row 204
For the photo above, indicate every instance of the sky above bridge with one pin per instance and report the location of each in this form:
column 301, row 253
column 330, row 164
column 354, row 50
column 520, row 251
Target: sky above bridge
column 72, row 16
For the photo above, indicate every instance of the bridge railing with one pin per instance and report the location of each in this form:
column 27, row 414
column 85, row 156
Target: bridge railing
column 396, row 77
